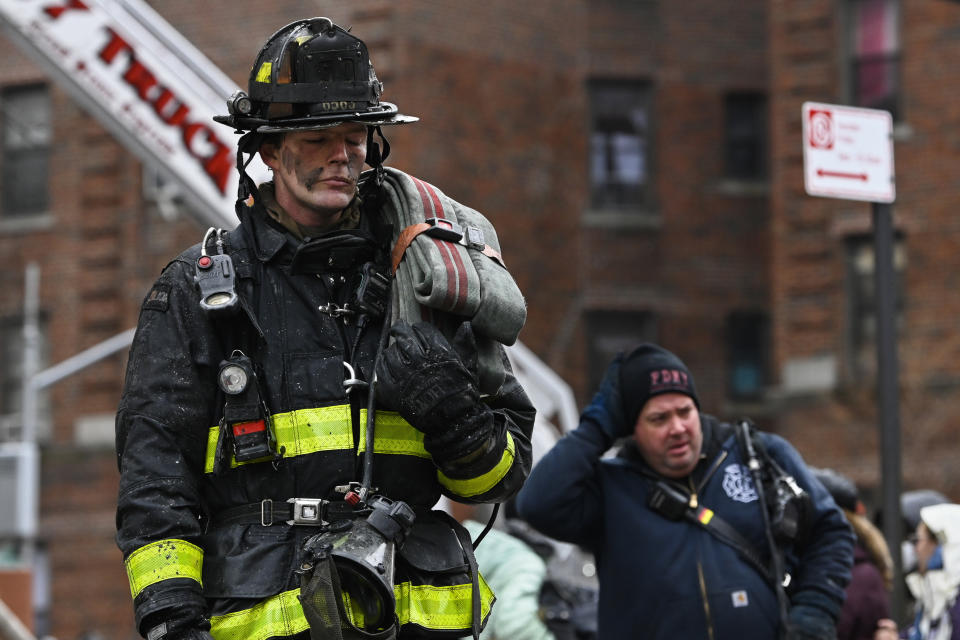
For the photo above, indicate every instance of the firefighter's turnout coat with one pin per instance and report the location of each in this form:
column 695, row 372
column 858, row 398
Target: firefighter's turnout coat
column 175, row 487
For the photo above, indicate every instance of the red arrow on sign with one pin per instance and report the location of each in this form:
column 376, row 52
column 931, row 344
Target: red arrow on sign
column 840, row 174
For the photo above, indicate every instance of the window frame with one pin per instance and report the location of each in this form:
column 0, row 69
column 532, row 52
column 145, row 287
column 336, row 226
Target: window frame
column 25, row 199
column 611, row 195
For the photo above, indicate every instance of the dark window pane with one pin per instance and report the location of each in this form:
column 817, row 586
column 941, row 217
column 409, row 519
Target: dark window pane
column 861, row 300
column 875, row 53
column 745, row 133
column 610, row 332
column 25, row 113
column 25, row 181
column 748, row 337
column 619, row 143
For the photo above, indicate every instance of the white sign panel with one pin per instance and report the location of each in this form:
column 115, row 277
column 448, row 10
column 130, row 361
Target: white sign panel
column 848, row 152
column 145, row 84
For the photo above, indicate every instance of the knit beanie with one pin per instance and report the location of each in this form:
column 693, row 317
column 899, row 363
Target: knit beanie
column 650, row 370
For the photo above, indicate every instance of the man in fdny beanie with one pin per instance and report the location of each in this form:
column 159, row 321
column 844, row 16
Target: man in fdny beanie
column 650, row 370
column 666, row 514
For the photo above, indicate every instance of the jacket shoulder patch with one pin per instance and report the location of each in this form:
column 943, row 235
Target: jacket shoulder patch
column 158, row 299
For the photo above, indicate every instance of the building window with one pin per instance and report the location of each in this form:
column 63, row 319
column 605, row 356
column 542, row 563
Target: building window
column 862, row 301
column 611, row 332
column 874, row 42
column 619, row 144
column 745, row 136
column 11, row 379
column 748, row 342
column 26, row 123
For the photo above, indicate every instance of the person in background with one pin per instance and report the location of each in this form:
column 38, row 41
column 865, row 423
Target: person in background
column 514, row 572
column 652, row 516
column 868, row 594
column 936, row 582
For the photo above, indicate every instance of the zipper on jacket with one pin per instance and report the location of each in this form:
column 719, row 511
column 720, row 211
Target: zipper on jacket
column 706, row 602
column 692, row 501
column 713, row 469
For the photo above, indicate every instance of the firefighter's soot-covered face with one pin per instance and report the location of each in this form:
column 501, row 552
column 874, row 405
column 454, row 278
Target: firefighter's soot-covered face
column 315, row 172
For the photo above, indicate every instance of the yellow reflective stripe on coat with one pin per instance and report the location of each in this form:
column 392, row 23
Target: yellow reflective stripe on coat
column 278, row 616
column 393, row 435
column 475, row 486
column 306, row 431
column 299, row 432
column 163, row 560
column 443, row 608
column 430, row 607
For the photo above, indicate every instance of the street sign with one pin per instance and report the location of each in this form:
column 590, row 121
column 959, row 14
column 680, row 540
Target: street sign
column 848, row 152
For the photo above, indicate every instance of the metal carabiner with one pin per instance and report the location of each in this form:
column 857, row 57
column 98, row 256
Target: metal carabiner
column 353, row 381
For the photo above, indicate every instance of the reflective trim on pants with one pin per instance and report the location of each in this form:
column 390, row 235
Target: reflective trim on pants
column 429, row 607
column 278, row 616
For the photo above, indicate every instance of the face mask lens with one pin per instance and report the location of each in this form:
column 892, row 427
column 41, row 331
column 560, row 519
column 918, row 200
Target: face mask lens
column 233, row 379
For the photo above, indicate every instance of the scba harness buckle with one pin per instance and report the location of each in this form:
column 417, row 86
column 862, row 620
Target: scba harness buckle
column 445, row 229
column 305, row 511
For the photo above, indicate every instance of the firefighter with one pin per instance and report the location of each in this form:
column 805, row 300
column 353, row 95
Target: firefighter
column 252, row 503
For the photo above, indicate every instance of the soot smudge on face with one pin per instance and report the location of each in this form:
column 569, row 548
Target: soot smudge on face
column 292, row 163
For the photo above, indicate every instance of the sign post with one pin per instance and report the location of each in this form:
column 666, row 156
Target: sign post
column 848, row 154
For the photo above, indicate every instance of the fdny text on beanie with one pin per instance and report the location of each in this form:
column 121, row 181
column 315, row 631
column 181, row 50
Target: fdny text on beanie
column 650, row 370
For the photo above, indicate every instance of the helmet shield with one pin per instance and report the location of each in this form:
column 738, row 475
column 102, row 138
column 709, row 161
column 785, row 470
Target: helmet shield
column 312, row 74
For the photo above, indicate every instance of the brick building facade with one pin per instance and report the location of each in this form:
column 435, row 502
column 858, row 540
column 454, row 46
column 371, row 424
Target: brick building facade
column 642, row 164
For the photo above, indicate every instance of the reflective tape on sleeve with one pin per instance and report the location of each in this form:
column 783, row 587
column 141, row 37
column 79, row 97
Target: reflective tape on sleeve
column 276, row 617
column 475, row 486
column 394, row 435
column 163, row 560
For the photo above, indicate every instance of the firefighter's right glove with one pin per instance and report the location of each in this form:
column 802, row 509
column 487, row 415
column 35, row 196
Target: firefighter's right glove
column 184, row 623
column 432, row 383
column 605, row 411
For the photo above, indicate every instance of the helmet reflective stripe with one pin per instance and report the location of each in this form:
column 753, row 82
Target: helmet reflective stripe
column 306, row 431
column 427, row 606
column 263, row 75
column 481, row 484
column 163, row 560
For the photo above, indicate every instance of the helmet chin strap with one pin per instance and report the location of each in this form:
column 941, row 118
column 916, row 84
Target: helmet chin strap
column 375, row 155
column 248, row 143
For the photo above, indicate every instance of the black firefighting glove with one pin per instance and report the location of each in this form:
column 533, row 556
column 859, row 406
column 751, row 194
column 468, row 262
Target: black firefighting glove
column 432, row 383
column 606, row 408
column 187, row 622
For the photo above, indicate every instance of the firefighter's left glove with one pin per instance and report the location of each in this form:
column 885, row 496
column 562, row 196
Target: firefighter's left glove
column 432, row 383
